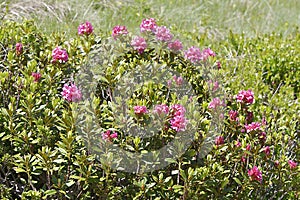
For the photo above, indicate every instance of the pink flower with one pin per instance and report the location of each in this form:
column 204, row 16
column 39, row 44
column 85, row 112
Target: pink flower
column 169, row 83
column 254, row 126
column 233, row 114
column 60, row 55
column 36, row 76
column 71, row 93
column 175, row 46
column 292, row 164
column 177, row 110
column 119, row 30
column 207, row 53
column 108, row 136
column 243, row 159
column 215, row 103
column 246, row 97
column 19, row 48
column 162, row 108
column 148, row 25
column 264, row 121
column 219, row 140
column 178, row 80
column 255, row 174
column 219, row 64
column 267, row 150
column 162, row 33
column 140, row 110
column 276, row 163
column 178, row 123
column 139, row 44
column 193, row 54
column 85, row 28
column 238, row 143
column 248, row 147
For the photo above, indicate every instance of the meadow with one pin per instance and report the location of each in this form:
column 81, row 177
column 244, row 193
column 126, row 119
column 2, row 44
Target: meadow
column 182, row 100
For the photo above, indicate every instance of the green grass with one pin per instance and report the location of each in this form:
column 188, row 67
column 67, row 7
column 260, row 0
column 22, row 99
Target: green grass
column 250, row 17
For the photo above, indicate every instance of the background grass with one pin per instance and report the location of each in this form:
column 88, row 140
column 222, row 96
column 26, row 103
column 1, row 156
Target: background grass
column 217, row 17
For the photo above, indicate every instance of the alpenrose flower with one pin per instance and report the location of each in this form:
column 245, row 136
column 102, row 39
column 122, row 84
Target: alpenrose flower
column 161, row 109
column 178, row 80
column 107, row 136
column 162, row 33
column 175, row 46
column 140, row 110
column 148, row 25
column 233, row 114
column 207, row 53
column 139, row 44
column 246, row 97
column 19, row 48
column 292, row 164
column 85, row 28
column 193, row 54
column 60, row 55
column 255, row 174
column 177, row 110
column 215, row 103
column 267, row 150
column 178, row 123
column 219, row 140
column 118, row 31
column 71, row 93
column 254, row 126
column 36, row 76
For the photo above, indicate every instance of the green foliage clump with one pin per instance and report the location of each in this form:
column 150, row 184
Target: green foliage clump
column 43, row 155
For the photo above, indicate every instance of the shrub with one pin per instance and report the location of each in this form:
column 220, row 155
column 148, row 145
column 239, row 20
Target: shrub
column 47, row 153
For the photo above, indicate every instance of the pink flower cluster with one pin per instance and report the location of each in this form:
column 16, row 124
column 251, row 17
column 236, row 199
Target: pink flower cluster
column 292, row 164
column 148, row 25
column 233, row 115
column 219, row 140
column 71, row 93
column 255, row 174
column 162, row 33
column 140, row 110
column 161, row 109
column 175, row 46
column 207, row 53
column 178, row 80
column 195, row 55
column 246, row 97
column 254, row 126
column 176, row 113
column 139, row 44
column 85, row 28
column 60, row 55
column 119, row 30
column 215, row 103
column 107, row 136
column 178, row 122
column 36, row 76
column 19, row 48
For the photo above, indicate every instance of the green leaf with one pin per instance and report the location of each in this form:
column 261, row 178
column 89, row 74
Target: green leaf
column 237, row 180
column 19, row 170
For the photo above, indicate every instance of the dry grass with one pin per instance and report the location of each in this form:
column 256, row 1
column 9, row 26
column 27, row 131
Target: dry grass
column 241, row 16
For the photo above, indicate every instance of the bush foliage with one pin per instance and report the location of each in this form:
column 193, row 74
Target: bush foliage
column 45, row 156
